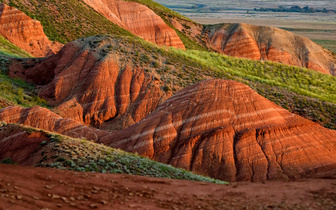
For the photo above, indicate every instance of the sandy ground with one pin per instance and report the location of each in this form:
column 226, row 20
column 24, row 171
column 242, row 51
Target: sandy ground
column 40, row 188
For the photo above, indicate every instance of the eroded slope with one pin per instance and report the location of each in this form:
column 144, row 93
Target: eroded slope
column 87, row 83
column 45, row 119
column 225, row 130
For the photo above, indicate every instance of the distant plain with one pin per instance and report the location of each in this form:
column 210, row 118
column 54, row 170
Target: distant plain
column 319, row 27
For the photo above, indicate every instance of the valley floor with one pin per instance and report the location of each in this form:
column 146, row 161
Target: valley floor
column 40, row 188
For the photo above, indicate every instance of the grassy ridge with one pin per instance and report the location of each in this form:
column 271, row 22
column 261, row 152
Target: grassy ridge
column 63, row 152
column 299, row 80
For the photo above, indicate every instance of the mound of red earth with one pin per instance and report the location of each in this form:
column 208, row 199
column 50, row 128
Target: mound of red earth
column 45, row 119
column 223, row 129
column 270, row 43
column 139, row 20
column 25, row 32
column 88, row 84
column 260, row 43
column 40, row 188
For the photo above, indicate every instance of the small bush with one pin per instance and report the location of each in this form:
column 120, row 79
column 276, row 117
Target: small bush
column 7, row 160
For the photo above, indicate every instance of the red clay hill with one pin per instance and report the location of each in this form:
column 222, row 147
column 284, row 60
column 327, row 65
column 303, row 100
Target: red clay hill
column 25, row 32
column 139, row 20
column 260, row 43
column 273, row 44
column 225, row 130
column 88, row 84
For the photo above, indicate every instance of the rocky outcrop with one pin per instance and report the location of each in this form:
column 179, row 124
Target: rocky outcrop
column 45, row 119
column 25, row 32
column 269, row 43
column 225, row 130
column 89, row 84
column 139, row 20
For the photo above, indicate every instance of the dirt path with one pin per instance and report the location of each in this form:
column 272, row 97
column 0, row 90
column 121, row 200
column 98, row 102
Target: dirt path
column 40, row 188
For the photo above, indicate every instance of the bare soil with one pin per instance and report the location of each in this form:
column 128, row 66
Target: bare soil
column 39, row 188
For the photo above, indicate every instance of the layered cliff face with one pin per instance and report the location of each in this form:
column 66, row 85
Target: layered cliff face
column 225, row 130
column 139, row 20
column 25, row 32
column 45, row 119
column 87, row 83
column 270, row 43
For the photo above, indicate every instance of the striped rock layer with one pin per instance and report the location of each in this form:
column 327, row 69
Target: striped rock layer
column 91, row 86
column 139, row 20
column 270, row 43
column 225, row 130
column 25, row 32
column 19, row 144
column 45, row 119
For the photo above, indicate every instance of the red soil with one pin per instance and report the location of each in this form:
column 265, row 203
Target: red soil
column 223, row 129
column 39, row 188
column 25, row 32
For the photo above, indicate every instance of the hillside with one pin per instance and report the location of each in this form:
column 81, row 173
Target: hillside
column 270, row 43
column 139, row 20
column 25, row 32
column 67, row 20
column 223, row 129
column 146, row 71
column 31, row 147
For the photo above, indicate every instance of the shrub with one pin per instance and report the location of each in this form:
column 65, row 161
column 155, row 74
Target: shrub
column 7, row 160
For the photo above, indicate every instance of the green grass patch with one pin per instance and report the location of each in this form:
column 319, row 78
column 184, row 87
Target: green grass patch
column 329, row 44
